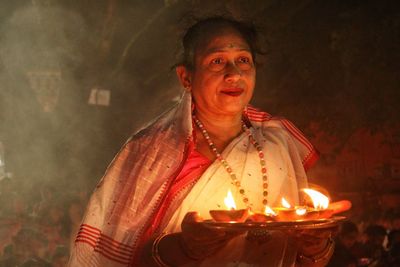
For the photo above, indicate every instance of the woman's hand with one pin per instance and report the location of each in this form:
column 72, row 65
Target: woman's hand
column 340, row 206
column 315, row 247
column 312, row 242
column 200, row 241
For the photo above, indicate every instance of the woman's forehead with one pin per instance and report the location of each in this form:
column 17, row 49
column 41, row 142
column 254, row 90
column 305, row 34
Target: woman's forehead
column 225, row 41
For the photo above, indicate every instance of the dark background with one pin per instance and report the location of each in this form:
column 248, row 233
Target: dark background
column 331, row 67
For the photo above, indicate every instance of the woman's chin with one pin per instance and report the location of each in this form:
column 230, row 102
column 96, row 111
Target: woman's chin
column 233, row 108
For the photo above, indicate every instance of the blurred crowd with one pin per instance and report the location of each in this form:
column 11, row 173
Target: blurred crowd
column 372, row 241
column 38, row 225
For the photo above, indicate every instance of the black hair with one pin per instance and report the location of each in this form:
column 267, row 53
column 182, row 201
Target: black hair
column 200, row 32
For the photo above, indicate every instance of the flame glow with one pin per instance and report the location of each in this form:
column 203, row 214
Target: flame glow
column 285, row 204
column 301, row 211
column 320, row 201
column 269, row 211
column 229, row 201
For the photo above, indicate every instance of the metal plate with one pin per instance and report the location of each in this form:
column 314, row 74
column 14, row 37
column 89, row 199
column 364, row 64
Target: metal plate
column 272, row 225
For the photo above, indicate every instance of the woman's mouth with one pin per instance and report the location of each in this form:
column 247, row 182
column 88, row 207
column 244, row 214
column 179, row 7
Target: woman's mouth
column 232, row 91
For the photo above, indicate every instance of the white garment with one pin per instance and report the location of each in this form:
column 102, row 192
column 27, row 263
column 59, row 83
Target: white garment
column 211, row 189
column 122, row 214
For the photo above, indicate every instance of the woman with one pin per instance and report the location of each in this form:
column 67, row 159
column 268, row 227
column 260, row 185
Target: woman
column 183, row 164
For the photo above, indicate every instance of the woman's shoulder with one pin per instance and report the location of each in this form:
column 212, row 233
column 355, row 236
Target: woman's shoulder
column 285, row 131
column 267, row 122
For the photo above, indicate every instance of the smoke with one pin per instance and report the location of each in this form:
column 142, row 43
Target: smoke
column 42, row 51
column 52, row 55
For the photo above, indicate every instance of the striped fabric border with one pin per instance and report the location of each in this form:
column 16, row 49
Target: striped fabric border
column 261, row 116
column 312, row 156
column 104, row 245
column 310, row 159
column 124, row 254
column 297, row 134
column 256, row 115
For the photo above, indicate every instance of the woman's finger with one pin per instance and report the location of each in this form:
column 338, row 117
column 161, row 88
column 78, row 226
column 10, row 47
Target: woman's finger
column 340, row 206
column 192, row 217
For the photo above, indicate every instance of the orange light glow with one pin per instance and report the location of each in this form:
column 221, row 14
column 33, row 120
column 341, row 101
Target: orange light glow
column 320, row 201
column 229, row 201
column 285, row 204
column 269, row 212
column 301, row 211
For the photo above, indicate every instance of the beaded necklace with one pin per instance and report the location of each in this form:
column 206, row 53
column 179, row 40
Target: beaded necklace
column 228, row 168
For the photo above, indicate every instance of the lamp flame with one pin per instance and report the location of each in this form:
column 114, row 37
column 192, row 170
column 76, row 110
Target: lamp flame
column 229, row 201
column 269, row 212
column 285, row 204
column 320, row 201
column 301, row 211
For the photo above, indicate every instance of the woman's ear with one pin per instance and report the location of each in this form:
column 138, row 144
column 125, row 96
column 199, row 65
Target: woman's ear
column 184, row 76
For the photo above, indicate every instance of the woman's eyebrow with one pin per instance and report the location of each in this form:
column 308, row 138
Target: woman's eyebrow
column 224, row 49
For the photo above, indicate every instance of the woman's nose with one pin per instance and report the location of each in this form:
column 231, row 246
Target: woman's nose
column 233, row 72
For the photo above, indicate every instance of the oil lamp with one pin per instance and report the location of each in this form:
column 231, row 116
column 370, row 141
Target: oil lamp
column 320, row 203
column 288, row 213
column 268, row 215
column 320, row 209
column 231, row 214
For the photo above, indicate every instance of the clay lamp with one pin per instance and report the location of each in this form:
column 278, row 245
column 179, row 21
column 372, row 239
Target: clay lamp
column 231, row 214
column 288, row 213
column 268, row 215
column 321, row 208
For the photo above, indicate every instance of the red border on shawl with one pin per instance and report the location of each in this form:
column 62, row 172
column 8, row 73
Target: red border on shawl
column 150, row 226
column 256, row 115
column 117, row 251
column 104, row 245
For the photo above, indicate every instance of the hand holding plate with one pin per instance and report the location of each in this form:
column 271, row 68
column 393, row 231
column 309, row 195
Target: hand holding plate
column 199, row 241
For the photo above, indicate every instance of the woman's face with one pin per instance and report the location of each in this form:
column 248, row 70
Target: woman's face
column 223, row 78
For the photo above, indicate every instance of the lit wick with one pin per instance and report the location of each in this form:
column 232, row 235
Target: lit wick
column 231, row 214
column 229, row 201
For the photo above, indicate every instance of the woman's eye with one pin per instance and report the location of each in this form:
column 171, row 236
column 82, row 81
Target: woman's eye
column 217, row 61
column 244, row 60
column 217, row 64
column 244, row 63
